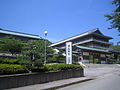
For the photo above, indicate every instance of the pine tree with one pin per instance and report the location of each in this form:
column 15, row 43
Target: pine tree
column 114, row 17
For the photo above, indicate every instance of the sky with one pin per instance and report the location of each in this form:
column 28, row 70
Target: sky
column 61, row 18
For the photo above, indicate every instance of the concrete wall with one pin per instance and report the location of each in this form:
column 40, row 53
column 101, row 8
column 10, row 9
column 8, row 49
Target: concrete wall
column 18, row 80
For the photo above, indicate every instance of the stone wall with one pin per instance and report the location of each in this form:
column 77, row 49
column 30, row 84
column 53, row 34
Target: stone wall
column 19, row 80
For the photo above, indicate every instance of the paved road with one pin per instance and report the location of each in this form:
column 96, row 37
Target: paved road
column 109, row 81
column 95, row 70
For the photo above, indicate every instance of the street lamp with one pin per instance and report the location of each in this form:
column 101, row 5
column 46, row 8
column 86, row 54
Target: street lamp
column 45, row 46
column 34, row 47
column 33, row 52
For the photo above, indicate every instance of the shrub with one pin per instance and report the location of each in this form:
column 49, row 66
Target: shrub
column 9, row 61
column 24, row 62
column 37, row 69
column 12, row 69
column 56, row 67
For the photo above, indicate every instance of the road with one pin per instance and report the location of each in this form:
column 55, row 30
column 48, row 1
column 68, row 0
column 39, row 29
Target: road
column 109, row 81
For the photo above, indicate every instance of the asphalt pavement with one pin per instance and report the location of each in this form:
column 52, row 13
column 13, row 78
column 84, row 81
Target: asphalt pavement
column 107, row 82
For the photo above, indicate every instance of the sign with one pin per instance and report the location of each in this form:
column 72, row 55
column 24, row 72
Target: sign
column 68, row 52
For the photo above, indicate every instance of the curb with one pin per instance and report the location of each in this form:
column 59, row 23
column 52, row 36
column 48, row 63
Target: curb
column 67, row 84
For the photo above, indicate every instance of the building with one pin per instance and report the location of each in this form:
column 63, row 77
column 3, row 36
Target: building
column 93, row 46
column 18, row 35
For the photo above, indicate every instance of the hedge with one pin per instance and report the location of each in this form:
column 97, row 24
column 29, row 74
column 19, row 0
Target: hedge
column 9, row 61
column 56, row 67
column 12, row 69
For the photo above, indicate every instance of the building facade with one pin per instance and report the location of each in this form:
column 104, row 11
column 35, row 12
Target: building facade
column 93, row 46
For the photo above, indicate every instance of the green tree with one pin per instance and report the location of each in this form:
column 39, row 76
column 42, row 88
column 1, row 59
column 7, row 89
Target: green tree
column 11, row 45
column 116, row 47
column 114, row 17
column 1, row 46
column 35, row 49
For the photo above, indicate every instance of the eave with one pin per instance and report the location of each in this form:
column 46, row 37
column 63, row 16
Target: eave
column 7, row 32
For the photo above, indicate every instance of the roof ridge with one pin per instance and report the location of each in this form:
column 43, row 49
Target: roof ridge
column 78, row 34
column 17, row 32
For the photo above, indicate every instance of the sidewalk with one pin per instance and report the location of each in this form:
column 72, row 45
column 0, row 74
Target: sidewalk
column 90, row 74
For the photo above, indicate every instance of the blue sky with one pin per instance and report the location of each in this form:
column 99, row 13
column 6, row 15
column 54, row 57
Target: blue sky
column 61, row 18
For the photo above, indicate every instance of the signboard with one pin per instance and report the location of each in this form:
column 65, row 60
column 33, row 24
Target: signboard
column 68, row 52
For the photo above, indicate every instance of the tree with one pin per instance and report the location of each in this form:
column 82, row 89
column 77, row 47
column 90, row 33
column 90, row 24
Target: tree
column 116, row 47
column 35, row 49
column 12, row 45
column 114, row 17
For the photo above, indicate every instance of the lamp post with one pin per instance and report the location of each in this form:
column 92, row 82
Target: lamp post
column 33, row 56
column 34, row 47
column 45, row 46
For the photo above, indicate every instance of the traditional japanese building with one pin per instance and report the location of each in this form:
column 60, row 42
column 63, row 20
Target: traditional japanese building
column 93, row 46
column 18, row 35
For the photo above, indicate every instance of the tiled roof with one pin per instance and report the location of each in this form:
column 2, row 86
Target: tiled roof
column 94, row 31
column 93, row 49
column 8, row 32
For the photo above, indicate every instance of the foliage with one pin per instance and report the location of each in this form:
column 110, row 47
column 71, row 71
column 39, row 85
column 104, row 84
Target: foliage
column 114, row 17
column 33, row 54
column 9, row 61
column 37, row 68
column 12, row 45
column 29, row 53
column 94, row 60
column 12, row 69
column 91, row 59
column 56, row 67
column 0, row 45
column 34, row 50
column 22, row 59
column 116, row 47
column 53, row 58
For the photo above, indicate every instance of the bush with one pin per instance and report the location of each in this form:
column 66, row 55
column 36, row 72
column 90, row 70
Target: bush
column 37, row 69
column 56, row 67
column 9, row 61
column 12, row 69
column 24, row 62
